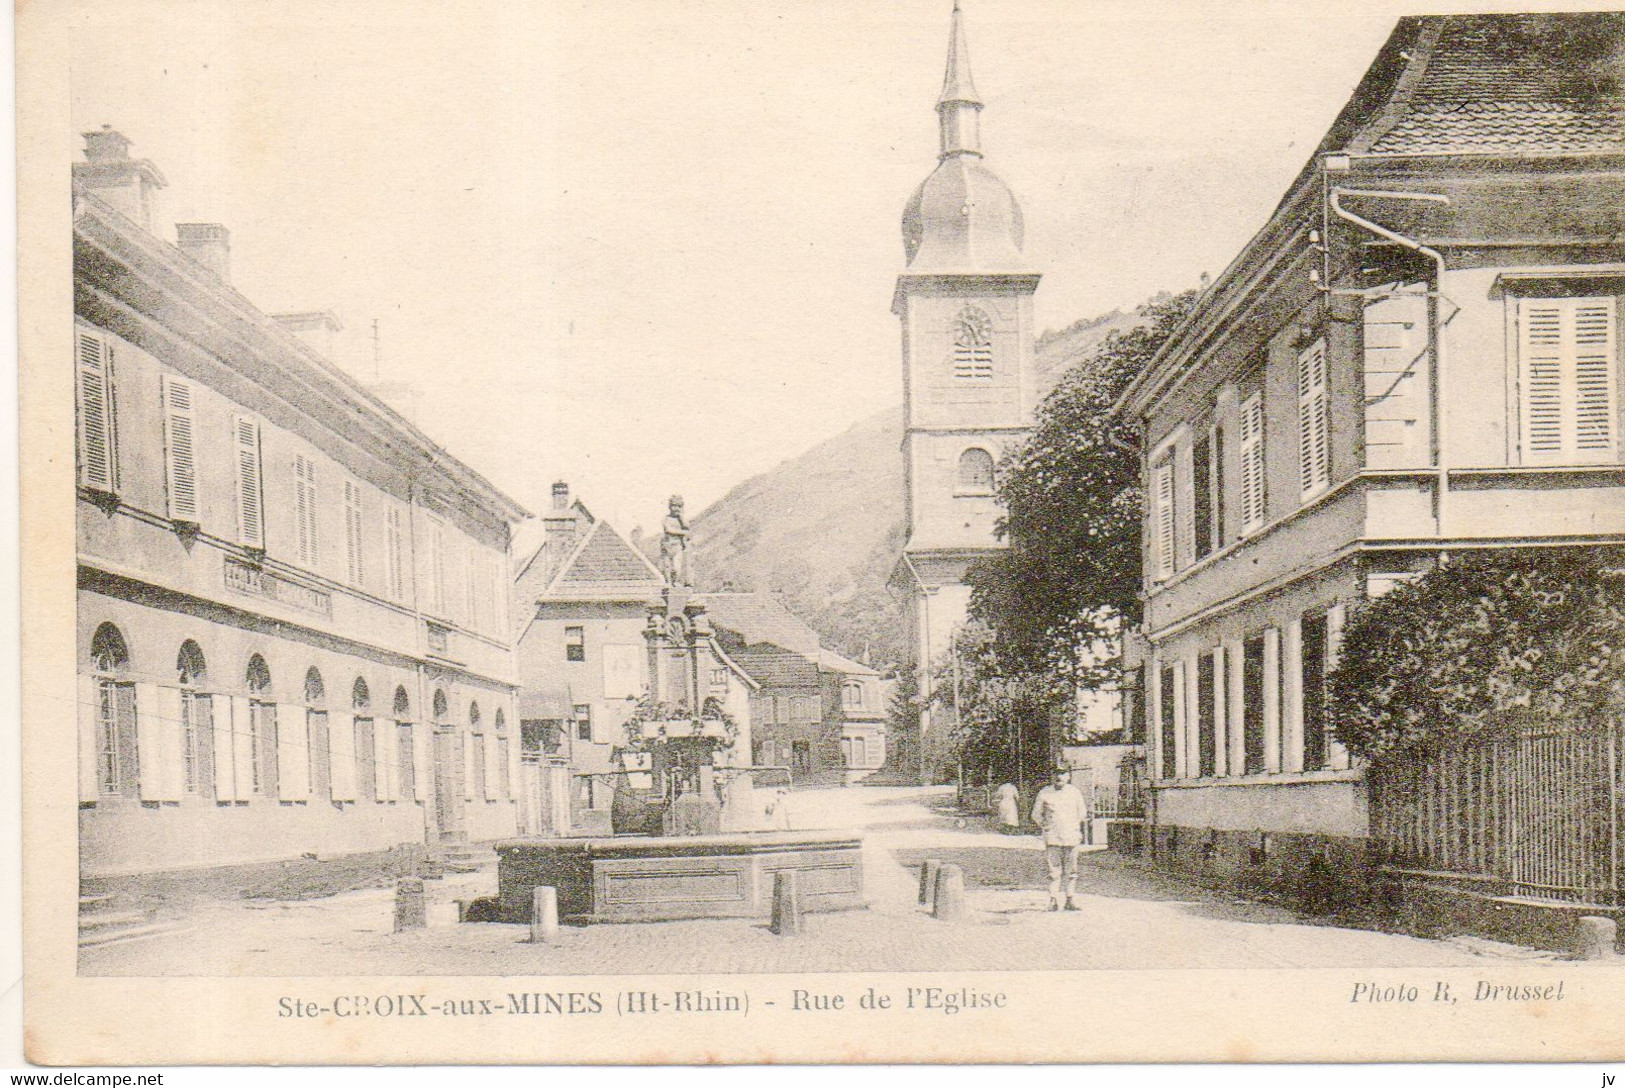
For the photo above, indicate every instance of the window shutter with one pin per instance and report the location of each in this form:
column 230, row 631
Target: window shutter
column 392, row 552
column 250, row 485
column 382, row 741
column 493, row 772
column 1252, row 463
column 98, row 453
column 148, row 742
column 225, row 715
column 87, row 705
column 468, row 766
column 1568, row 359
column 293, row 757
column 180, row 457
column 304, row 497
column 1314, row 420
column 342, row 756
column 422, row 770
column 169, row 772
column 352, row 532
column 1162, row 490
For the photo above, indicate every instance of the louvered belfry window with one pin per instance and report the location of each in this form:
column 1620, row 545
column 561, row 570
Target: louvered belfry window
column 180, row 450
column 1314, row 421
column 98, row 429
column 1568, row 379
column 250, row 484
column 973, row 346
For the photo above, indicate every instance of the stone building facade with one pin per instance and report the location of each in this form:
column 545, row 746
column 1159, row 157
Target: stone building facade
column 293, row 625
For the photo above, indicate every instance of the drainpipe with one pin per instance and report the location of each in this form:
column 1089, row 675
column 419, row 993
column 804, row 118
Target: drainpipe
column 1435, row 326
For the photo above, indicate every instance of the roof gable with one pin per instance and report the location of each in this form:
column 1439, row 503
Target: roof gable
column 604, row 560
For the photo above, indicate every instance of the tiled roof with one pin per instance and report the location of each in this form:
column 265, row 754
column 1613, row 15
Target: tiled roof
column 762, row 617
column 830, row 661
column 604, row 558
column 769, row 665
column 1516, row 83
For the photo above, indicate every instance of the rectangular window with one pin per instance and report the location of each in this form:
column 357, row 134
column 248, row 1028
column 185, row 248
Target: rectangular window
column 1252, row 464
column 1314, row 691
column 118, row 768
column 407, row 772
column 1252, row 703
column 1207, row 675
column 353, row 550
column 180, row 452
column 1166, row 721
column 1568, row 374
column 372, row 783
column 575, row 644
column 197, row 741
column 304, row 504
column 1162, row 518
column 582, row 712
column 471, row 601
column 319, row 758
column 481, row 786
column 1202, row 494
column 1216, row 441
column 437, row 566
column 805, row 708
column 98, row 415
column 395, row 553
column 250, row 484
column 1314, row 421
column 504, row 783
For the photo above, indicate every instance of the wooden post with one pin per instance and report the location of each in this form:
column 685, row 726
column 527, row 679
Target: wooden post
column 411, row 904
column 786, row 921
column 544, row 915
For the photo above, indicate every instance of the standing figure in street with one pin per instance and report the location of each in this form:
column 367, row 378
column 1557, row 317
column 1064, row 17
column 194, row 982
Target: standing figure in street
column 1060, row 810
column 1006, row 804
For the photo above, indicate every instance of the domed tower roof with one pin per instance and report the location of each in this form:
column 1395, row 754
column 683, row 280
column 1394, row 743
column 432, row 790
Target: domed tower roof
column 962, row 218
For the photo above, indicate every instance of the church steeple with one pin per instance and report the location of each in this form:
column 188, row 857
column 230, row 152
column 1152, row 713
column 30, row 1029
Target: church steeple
column 959, row 107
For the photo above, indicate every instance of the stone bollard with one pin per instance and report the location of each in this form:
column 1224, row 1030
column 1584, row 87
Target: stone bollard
column 544, row 915
column 786, row 920
column 1594, row 938
column 928, row 880
column 411, row 904
column 948, row 904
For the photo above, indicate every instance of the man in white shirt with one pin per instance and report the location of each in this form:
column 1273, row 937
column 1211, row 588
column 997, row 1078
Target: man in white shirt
column 1060, row 810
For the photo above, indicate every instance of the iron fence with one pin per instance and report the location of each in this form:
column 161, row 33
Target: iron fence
column 1527, row 810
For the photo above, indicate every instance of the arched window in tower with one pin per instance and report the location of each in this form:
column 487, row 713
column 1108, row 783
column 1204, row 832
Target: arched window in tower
column 975, row 473
column 973, row 346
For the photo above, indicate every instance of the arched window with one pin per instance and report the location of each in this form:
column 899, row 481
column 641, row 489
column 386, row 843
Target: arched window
column 259, row 677
column 261, row 739
column 373, row 747
column 405, row 757
column 108, row 651
column 118, row 769
column 441, row 707
column 973, row 346
column 975, row 473
column 504, row 782
column 197, row 720
column 315, row 690
column 479, row 755
column 852, row 693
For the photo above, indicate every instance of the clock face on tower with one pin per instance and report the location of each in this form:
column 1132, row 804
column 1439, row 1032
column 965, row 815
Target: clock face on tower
column 972, row 327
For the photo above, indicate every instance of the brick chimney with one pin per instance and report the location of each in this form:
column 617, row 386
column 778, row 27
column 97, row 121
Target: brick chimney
column 124, row 183
column 209, row 244
column 560, row 525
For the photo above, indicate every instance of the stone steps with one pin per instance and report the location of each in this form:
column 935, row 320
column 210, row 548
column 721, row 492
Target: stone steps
column 103, row 922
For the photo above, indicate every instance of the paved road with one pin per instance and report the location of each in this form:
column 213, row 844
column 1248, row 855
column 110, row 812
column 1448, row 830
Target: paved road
column 1130, row 918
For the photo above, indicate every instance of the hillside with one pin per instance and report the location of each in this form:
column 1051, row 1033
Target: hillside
column 825, row 528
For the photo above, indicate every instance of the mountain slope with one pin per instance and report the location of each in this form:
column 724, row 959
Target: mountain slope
column 825, row 528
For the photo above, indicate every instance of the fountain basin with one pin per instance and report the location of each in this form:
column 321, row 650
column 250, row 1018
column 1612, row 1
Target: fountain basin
column 638, row 878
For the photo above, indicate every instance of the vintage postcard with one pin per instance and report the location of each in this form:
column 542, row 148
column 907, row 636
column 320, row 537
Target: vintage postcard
column 706, row 531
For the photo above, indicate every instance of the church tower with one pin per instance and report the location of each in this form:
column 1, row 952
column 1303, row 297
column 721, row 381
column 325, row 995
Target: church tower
column 965, row 302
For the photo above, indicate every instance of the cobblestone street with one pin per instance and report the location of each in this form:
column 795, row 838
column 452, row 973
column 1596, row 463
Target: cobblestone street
column 1130, row 918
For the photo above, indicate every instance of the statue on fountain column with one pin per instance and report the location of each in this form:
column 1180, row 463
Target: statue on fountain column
column 674, row 545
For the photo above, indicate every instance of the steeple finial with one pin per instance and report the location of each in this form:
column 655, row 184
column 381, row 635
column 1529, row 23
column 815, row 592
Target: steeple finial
column 959, row 104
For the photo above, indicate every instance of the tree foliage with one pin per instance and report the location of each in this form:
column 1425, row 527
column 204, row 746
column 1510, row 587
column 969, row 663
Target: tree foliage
column 1000, row 719
column 1484, row 639
column 1070, row 577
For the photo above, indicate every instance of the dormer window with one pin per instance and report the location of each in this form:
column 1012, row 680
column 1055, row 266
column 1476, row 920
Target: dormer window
column 973, row 346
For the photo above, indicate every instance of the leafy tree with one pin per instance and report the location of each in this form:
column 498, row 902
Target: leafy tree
column 1070, row 578
column 1487, row 637
column 999, row 719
